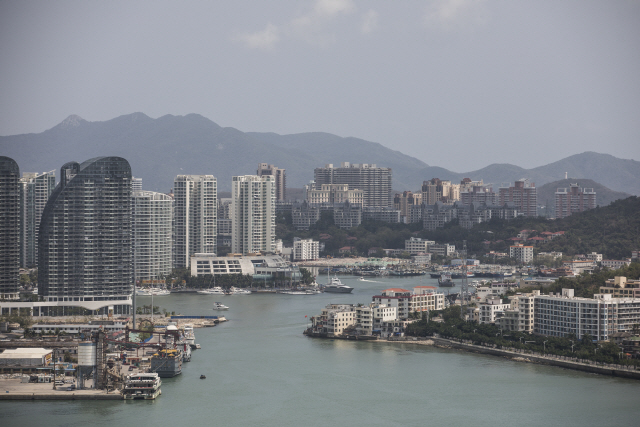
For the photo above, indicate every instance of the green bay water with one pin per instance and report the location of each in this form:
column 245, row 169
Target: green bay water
column 261, row 371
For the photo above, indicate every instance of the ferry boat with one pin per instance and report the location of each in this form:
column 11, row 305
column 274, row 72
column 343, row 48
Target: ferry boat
column 219, row 306
column 144, row 386
column 337, row 287
column 167, row 363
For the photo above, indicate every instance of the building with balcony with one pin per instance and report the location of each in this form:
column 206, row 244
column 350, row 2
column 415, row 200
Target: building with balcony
column 374, row 182
column 85, row 250
column 574, row 199
column 280, row 176
column 152, row 235
column 523, row 195
column 254, row 214
column 35, row 191
column 9, row 228
column 194, row 217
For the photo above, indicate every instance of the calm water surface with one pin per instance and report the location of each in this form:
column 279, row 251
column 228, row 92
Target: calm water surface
column 262, row 371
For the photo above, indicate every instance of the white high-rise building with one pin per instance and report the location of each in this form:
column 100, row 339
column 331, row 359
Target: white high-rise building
column 194, row 217
column 36, row 189
column 253, row 214
column 152, row 216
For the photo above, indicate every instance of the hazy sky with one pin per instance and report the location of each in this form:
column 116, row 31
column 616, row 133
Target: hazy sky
column 455, row 83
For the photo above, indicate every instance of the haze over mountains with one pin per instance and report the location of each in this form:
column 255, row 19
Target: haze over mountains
column 159, row 149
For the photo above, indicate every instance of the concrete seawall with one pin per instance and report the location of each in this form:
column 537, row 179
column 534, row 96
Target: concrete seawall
column 560, row 361
column 59, row 396
column 535, row 358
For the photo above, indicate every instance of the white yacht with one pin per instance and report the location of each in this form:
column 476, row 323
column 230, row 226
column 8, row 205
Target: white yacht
column 216, row 290
column 142, row 386
column 219, row 306
column 337, row 287
column 142, row 292
column 240, row 291
column 158, row 292
column 189, row 336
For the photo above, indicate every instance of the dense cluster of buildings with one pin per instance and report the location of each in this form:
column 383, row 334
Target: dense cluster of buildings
column 616, row 309
column 387, row 314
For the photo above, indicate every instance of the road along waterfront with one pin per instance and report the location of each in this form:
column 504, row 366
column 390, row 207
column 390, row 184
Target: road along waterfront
column 261, row 370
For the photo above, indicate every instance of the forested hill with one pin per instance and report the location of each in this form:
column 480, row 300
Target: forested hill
column 613, row 231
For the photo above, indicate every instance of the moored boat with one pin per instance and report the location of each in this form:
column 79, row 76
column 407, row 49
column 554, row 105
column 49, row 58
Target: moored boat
column 337, row 287
column 445, row 281
column 167, row 363
column 144, row 386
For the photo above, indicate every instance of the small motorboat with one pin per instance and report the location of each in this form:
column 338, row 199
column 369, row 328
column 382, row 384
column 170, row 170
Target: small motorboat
column 361, row 278
column 219, row 306
column 203, row 377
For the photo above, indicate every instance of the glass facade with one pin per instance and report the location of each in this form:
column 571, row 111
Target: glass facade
column 85, row 244
column 9, row 228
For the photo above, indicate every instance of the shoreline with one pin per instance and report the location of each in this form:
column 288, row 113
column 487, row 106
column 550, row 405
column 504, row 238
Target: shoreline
column 527, row 357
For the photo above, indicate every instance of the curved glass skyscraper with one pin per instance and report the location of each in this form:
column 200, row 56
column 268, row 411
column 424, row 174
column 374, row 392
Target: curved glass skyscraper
column 84, row 245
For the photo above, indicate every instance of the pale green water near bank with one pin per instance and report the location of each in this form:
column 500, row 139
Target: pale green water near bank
column 262, row 371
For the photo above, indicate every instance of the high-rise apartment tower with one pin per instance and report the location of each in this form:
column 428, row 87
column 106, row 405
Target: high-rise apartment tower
column 280, row 176
column 9, row 228
column 194, row 217
column 36, row 189
column 84, row 242
column 374, row 182
column 253, row 214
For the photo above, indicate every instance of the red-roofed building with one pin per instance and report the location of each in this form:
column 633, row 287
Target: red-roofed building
column 347, row 249
column 536, row 240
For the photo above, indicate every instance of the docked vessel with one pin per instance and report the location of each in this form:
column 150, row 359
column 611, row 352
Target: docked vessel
column 144, row 386
column 158, row 292
column 217, row 290
column 189, row 336
column 445, row 281
column 219, row 306
column 167, row 363
column 240, row 291
column 337, row 287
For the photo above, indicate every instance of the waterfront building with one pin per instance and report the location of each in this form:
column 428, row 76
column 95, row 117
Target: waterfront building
column 374, row 182
column 254, row 214
column 305, row 249
column 389, row 215
column 260, row 266
column 423, row 298
column 35, row 191
column 347, row 215
column 9, row 228
column 523, row 195
column 333, row 194
column 369, row 318
column 416, row 245
column 194, row 217
column 280, row 179
column 492, row 310
column 85, row 238
column 574, row 199
column 334, row 319
column 493, row 289
column 563, row 314
column 521, row 253
column 152, row 235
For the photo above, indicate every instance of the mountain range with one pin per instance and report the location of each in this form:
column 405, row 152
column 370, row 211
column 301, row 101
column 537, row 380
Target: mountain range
column 159, row 149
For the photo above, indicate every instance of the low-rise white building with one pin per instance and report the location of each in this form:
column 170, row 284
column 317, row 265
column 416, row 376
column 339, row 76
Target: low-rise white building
column 305, row 249
column 615, row 263
column 415, row 245
column 492, row 310
column 521, row 253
